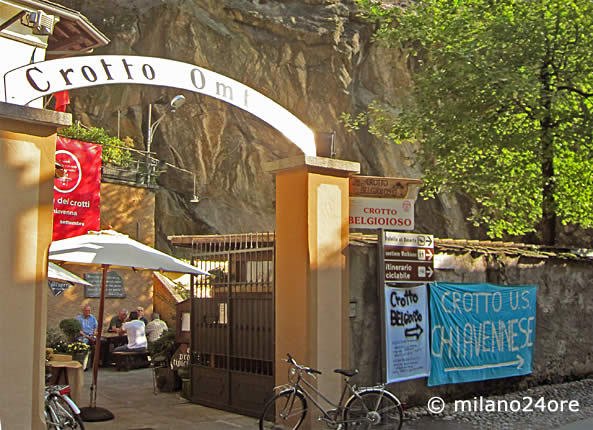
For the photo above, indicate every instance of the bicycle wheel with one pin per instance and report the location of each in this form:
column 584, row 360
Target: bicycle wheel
column 284, row 411
column 373, row 409
column 51, row 418
column 67, row 419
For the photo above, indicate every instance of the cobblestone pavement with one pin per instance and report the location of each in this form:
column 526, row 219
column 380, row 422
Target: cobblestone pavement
column 565, row 406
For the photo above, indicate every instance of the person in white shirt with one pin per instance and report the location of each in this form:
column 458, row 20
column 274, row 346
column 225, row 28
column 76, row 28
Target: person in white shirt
column 135, row 330
column 155, row 328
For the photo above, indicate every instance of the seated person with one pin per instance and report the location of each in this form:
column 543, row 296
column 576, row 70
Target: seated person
column 135, row 330
column 89, row 326
column 117, row 321
column 155, row 328
column 140, row 311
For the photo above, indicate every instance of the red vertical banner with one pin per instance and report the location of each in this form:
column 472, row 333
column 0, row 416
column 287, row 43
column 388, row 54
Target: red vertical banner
column 77, row 193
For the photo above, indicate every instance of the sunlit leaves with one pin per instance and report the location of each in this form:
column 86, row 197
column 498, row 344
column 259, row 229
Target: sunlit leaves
column 503, row 88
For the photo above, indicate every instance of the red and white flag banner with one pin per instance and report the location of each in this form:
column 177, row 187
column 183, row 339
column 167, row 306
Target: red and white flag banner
column 77, row 194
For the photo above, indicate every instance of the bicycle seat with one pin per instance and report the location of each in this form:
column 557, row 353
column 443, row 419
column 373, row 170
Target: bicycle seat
column 347, row 372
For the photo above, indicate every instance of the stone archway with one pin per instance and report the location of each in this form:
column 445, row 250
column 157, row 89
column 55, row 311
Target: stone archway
column 30, row 82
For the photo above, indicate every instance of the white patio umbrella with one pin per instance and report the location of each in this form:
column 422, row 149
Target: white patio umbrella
column 112, row 249
column 59, row 274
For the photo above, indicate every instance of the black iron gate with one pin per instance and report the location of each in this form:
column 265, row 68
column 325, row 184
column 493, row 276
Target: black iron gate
column 232, row 329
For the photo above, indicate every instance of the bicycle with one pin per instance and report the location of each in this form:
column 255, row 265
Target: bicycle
column 365, row 407
column 60, row 411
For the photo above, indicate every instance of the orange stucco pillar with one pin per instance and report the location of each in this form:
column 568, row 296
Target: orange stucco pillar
column 27, row 161
column 311, row 275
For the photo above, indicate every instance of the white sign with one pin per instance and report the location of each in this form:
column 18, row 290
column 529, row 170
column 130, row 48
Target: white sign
column 412, row 240
column 30, row 82
column 406, row 333
column 375, row 213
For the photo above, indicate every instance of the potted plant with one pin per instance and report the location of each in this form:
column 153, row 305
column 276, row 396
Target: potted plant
column 161, row 352
column 71, row 328
column 80, row 352
column 56, row 345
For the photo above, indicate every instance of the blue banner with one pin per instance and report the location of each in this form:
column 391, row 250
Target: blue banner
column 480, row 331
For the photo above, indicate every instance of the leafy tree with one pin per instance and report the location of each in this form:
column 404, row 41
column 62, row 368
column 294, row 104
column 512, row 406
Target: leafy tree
column 501, row 106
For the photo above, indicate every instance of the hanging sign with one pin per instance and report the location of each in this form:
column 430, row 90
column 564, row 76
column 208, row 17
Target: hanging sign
column 376, row 213
column 407, row 333
column 77, row 204
column 58, row 288
column 382, row 187
column 480, row 331
column 114, row 285
column 408, row 257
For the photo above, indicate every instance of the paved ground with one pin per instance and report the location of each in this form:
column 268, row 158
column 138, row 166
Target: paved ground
column 129, row 396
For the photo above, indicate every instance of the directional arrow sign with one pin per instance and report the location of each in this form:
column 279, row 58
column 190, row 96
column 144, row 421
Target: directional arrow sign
column 406, row 253
column 408, row 257
column 409, row 271
column 409, row 239
column 414, row 332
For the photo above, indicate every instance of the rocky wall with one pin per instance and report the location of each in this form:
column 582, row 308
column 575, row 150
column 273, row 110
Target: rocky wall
column 314, row 57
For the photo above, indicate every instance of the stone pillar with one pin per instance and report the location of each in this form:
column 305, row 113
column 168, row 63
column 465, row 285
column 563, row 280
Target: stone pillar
column 27, row 165
column 312, row 296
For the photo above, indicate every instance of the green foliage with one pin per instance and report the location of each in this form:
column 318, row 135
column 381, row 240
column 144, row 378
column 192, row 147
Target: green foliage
column 163, row 348
column 501, row 105
column 114, row 149
column 71, row 328
column 55, row 339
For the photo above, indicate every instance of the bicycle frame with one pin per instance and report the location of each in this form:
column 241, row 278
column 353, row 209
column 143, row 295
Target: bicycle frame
column 308, row 388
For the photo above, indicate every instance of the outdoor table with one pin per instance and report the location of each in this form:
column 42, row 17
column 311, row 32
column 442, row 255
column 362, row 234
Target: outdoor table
column 108, row 342
column 68, row 373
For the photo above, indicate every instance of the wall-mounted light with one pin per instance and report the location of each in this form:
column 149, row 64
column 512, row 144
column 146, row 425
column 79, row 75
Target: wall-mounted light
column 40, row 22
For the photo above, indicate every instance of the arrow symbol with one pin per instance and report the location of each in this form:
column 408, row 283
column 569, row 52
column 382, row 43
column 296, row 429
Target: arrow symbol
column 429, row 254
column 429, row 271
column 519, row 362
column 416, row 331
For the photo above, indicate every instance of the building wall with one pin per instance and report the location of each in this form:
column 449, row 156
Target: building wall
column 165, row 301
column 564, row 319
column 27, row 160
column 128, row 210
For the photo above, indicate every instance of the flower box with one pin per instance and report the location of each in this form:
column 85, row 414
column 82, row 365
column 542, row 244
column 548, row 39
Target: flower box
column 60, row 357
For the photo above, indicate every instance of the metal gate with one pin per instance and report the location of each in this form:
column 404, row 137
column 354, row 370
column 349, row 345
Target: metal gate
column 232, row 322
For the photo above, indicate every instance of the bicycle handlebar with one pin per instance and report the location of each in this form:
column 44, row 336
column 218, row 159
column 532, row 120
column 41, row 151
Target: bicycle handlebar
column 292, row 361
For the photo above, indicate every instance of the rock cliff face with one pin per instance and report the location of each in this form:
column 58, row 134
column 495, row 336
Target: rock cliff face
column 314, row 57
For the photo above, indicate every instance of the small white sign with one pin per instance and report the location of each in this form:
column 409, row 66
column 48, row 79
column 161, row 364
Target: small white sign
column 376, row 213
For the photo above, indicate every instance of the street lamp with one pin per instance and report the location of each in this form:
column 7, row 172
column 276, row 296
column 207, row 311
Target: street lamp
column 176, row 103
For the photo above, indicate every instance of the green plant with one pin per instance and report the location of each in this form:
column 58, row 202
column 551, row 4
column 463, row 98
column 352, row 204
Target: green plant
column 71, row 328
column 162, row 349
column 77, row 347
column 114, row 149
column 55, row 340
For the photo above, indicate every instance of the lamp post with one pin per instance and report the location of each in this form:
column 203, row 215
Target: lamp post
column 195, row 198
column 176, row 103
